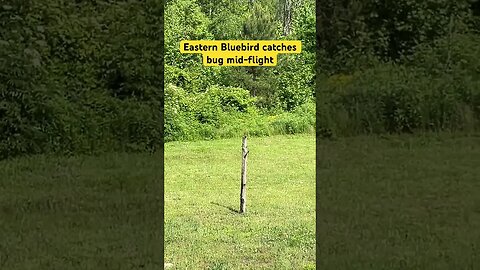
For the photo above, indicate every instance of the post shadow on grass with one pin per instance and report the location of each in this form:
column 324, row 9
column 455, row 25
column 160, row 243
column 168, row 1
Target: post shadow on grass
column 228, row 207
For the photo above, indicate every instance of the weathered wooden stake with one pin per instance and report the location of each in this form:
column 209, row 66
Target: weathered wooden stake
column 243, row 186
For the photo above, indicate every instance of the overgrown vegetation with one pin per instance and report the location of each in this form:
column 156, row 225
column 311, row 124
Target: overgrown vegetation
column 76, row 78
column 397, row 66
column 219, row 102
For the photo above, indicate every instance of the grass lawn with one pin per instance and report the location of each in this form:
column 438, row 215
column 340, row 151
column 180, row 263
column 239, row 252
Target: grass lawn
column 383, row 203
column 399, row 203
column 80, row 213
column 202, row 187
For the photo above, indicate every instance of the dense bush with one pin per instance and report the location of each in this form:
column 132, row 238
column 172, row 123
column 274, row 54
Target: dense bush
column 438, row 89
column 217, row 102
column 222, row 112
column 75, row 78
column 397, row 66
column 390, row 30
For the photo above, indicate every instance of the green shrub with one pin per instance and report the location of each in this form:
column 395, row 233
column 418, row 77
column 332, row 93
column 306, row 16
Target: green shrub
column 301, row 120
column 222, row 112
column 438, row 88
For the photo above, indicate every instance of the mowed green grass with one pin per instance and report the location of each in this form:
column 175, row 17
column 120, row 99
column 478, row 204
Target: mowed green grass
column 80, row 212
column 203, row 229
column 405, row 202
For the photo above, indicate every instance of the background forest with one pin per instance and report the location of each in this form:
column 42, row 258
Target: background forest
column 75, row 78
column 397, row 66
column 80, row 76
column 218, row 102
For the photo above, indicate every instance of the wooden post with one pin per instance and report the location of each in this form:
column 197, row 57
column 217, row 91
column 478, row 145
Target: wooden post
column 243, row 186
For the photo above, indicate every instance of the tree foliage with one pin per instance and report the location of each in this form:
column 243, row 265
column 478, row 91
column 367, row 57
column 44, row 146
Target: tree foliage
column 397, row 66
column 273, row 89
column 75, row 78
